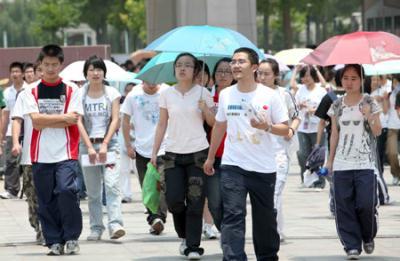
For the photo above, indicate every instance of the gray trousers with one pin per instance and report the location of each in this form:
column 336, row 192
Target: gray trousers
column 12, row 171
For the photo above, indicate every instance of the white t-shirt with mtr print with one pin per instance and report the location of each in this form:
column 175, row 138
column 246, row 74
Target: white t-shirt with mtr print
column 246, row 147
column 96, row 109
column 185, row 132
column 144, row 110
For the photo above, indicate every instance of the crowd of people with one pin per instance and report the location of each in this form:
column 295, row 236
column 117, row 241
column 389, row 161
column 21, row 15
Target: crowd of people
column 215, row 137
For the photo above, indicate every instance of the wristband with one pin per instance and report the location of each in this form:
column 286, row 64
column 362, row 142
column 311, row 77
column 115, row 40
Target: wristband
column 293, row 131
column 269, row 128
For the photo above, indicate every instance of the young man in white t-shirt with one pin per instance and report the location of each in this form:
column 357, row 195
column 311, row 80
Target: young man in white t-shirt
column 141, row 107
column 55, row 107
column 11, row 173
column 249, row 113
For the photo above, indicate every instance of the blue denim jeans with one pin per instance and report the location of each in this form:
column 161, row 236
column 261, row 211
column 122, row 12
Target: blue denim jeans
column 94, row 178
column 236, row 183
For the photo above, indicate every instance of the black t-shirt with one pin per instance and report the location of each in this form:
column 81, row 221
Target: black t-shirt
column 323, row 108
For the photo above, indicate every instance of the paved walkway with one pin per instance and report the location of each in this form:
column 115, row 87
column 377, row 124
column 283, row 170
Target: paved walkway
column 311, row 233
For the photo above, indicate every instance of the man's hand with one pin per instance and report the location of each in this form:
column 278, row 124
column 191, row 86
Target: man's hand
column 208, row 167
column 16, row 150
column 261, row 124
column 71, row 118
column 131, row 151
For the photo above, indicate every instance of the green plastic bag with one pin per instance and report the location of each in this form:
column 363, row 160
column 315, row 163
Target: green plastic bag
column 150, row 192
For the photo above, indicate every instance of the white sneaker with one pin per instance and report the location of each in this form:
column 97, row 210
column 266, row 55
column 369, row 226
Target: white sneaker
column 117, row 232
column 94, row 236
column 182, row 247
column 7, row 195
column 209, row 232
column 72, row 247
column 194, row 256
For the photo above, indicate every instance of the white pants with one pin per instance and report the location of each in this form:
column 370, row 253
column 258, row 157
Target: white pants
column 126, row 166
column 282, row 169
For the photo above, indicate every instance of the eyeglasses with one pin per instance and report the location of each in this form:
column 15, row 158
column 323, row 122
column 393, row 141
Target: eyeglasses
column 223, row 72
column 184, row 65
column 239, row 62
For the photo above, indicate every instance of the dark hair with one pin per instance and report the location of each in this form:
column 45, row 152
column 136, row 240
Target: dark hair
column 274, row 67
column 329, row 73
column 368, row 84
column 97, row 63
column 396, row 76
column 28, row 65
column 196, row 68
column 223, row 60
column 16, row 65
column 252, row 55
column 338, row 79
column 313, row 72
column 51, row 50
column 358, row 68
column 201, row 64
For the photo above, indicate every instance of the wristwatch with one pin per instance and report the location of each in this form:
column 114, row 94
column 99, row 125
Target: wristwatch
column 269, row 128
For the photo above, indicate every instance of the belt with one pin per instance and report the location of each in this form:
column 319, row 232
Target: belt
column 96, row 140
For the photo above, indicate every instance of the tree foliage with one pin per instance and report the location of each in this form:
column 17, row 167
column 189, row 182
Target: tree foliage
column 53, row 16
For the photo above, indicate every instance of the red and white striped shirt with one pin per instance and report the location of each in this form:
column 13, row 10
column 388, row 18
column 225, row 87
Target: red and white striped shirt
column 51, row 145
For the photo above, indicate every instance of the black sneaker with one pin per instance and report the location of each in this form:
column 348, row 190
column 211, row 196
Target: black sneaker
column 56, row 250
column 353, row 254
column 369, row 247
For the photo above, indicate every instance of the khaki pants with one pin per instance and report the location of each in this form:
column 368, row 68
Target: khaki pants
column 392, row 152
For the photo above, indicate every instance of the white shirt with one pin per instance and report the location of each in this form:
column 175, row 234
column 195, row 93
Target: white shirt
column 246, row 147
column 144, row 110
column 384, row 118
column 51, row 145
column 290, row 104
column 20, row 112
column 354, row 150
column 10, row 95
column 97, row 112
column 394, row 120
column 185, row 132
column 309, row 123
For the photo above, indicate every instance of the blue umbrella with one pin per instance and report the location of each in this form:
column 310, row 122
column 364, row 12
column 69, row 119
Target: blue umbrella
column 160, row 68
column 202, row 39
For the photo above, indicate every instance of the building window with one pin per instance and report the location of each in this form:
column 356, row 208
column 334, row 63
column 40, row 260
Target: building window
column 370, row 24
column 397, row 22
column 388, row 24
column 378, row 23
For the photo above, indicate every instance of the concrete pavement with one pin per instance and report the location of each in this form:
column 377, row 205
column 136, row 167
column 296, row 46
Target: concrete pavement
column 310, row 232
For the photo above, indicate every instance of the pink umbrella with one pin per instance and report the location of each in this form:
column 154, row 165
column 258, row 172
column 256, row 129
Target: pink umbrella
column 358, row 47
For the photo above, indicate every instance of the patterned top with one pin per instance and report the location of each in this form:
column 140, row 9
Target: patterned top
column 356, row 147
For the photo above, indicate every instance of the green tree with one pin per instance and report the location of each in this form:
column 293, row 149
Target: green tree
column 130, row 15
column 53, row 16
column 18, row 33
column 95, row 13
